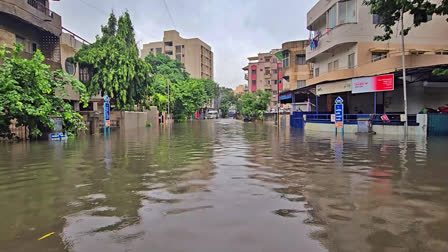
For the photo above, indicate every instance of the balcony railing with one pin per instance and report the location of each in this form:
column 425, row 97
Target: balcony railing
column 40, row 7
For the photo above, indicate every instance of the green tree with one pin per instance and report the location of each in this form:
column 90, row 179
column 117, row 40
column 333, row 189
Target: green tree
column 189, row 96
column 228, row 99
column 115, row 66
column 389, row 12
column 211, row 89
column 253, row 104
column 28, row 94
column 162, row 64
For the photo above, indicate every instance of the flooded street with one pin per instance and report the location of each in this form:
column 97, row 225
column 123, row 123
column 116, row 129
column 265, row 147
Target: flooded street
column 226, row 186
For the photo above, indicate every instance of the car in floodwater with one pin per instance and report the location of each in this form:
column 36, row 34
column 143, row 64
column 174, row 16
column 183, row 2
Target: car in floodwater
column 212, row 114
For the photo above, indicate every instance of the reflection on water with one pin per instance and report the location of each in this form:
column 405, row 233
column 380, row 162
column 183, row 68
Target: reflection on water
column 225, row 186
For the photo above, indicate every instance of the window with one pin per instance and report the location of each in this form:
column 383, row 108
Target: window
column 274, row 92
column 178, row 57
column 158, row 50
column 178, row 49
column 347, row 12
column 285, row 59
column 34, row 47
column 267, row 71
column 316, row 72
column 336, row 65
column 84, row 74
column 254, row 71
column 331, row 20
column 20, row 40
column 169, row 52
column 267, row 59
column 378, row 56
column 261, row 69
column 169, row 43
column 330, row 67
column 274, row 71
column 274, row 60
column 152, row 49
column 351, row 60
column 269, row 82
column 70, row 66
column 254, row 82
column 300, row 59
column 377, row 19
column 301, row 83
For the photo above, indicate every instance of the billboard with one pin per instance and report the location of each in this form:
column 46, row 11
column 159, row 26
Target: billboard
column 373, row 84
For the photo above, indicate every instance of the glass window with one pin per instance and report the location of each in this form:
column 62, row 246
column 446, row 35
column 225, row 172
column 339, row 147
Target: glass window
column 331, row 17
column 285, row 61
column 84, row 74
column 300, row 59
column 169, row 52
column 178, row 57
column 316, row 72
column 347, row 12
column 336, row 65
column 178, row 49
column 378, row 56
column 169, row 43
column 351, row 60
column 301, row 83
column 254, row 71
column 70, row 66
column 254, row 82
column 20, row 40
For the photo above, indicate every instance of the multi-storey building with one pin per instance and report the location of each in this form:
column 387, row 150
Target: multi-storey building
column 32, row 24
column 240, row 89
column 342, row 49
column 264, row 73
column 296, row 71
column 196, row 55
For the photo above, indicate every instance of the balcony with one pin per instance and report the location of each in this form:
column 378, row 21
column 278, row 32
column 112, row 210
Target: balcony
column 267, row 87
column 267, row 76
column 33, row 12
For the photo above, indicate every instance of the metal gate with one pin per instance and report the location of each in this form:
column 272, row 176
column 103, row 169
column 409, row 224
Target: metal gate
column 437, row 124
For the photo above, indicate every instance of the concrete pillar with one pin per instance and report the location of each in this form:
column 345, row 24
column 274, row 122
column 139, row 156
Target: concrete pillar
column 95, row 106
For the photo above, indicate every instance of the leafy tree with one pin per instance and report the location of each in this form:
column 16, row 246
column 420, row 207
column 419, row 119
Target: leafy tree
column 189, row 96
column 115, row 66
column 211, row 89
column 389, row 12
column 254, row 104
column 228, row 99
column 162, row 64
column 28, row 94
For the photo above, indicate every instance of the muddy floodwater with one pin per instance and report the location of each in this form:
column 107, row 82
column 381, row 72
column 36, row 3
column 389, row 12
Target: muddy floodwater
column 225, row 185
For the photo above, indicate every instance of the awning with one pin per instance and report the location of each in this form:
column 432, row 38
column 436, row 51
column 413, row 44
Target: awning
column 279, row 55
column 285, row 96
column 419, row 51
column 381, row 49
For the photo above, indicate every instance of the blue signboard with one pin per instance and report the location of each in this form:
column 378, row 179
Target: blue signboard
column 339, row 112
column 339, row 100
column 106, row 111
column 285, row 96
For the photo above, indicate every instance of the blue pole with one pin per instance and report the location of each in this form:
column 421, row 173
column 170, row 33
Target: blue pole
column 374, row 103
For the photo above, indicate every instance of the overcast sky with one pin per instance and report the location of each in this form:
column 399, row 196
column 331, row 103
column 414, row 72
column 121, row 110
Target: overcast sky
column 235, row 29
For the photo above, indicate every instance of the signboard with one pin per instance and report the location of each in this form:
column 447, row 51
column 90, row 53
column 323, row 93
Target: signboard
column 339, row 112
column 58, row 136
column 106, row 112
column 285, row 96
column 334, row 87
column 373, row 84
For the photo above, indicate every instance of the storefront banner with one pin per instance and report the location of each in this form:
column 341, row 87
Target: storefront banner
column 373, row 84
column 334, row 87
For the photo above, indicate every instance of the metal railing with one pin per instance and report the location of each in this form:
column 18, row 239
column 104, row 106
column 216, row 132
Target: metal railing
column 394, row 119
column 40, row 7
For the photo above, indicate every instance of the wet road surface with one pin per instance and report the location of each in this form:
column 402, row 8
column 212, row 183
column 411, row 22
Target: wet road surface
column 225, row 185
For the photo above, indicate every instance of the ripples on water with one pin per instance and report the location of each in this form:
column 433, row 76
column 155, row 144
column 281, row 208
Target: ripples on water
column 225, row 186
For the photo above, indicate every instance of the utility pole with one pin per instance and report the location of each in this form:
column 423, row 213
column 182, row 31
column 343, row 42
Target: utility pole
column 278, row 104
column 403, row 61
column 168, row 116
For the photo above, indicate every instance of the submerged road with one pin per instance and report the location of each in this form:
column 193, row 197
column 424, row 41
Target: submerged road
column 225, row 185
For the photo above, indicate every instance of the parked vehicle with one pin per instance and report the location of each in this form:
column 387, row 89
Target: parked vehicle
column 212, row 114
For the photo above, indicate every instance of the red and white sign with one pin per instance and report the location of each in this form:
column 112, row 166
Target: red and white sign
column 373, row 84
column 339, row 125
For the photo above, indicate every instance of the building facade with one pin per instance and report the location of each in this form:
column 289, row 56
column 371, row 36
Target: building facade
column 196, row 55
column 240, row 89
column 264, row 72
column 296, row 71
column 342, row 50
column 32, row 24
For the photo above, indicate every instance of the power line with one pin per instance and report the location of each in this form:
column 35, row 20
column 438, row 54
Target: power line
column 169, row 14
column 94, row 7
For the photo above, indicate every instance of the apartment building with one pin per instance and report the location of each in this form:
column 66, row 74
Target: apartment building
column 240, row 89
column 196, row 55
column 264, row 73
column 32, row 24
column 296, row 71
column 342, row 50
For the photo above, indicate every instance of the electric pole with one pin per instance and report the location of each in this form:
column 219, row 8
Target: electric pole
column 403, row 61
